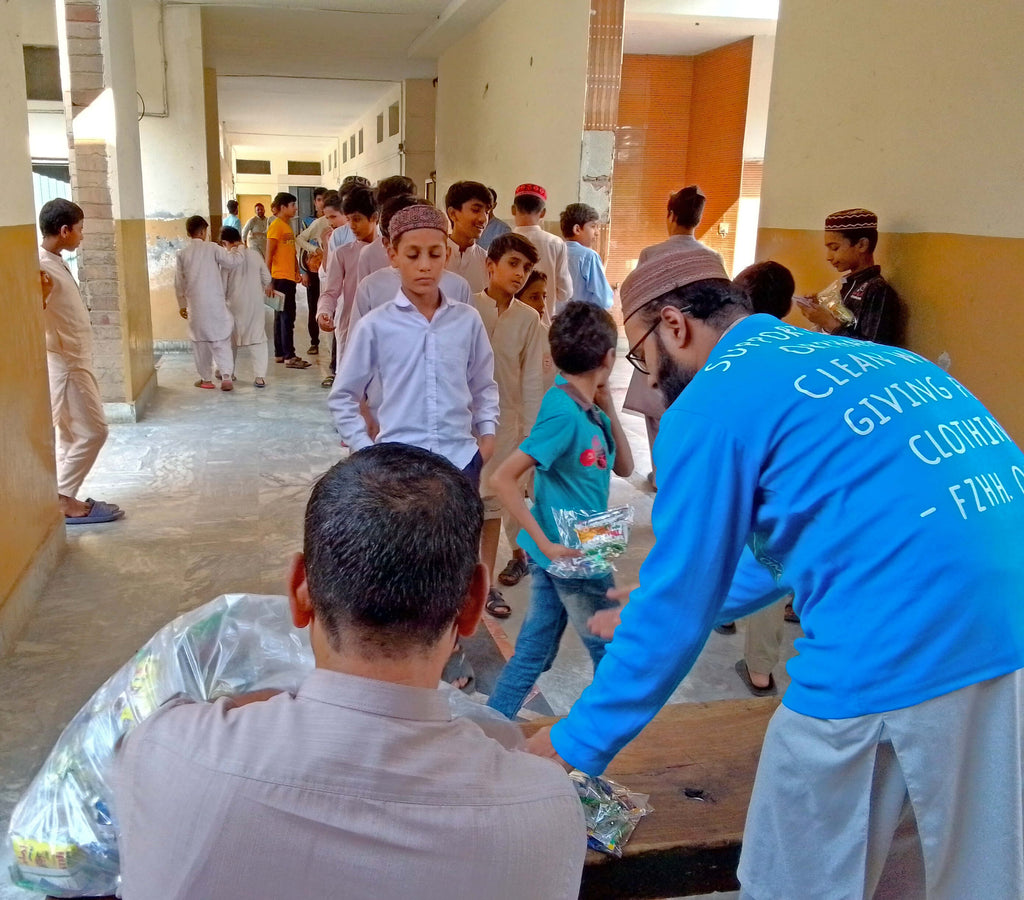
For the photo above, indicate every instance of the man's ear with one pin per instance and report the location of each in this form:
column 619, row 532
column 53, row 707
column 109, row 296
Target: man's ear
column 298, row 593
column 473, row 607
column 677, row 331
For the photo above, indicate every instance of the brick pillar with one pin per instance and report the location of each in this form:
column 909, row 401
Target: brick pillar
column 98, row 75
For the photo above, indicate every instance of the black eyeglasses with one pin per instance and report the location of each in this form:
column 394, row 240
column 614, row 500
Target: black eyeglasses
column 636, row 353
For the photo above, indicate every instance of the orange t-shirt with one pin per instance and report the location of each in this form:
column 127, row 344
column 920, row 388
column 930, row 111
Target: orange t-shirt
column 283, row 262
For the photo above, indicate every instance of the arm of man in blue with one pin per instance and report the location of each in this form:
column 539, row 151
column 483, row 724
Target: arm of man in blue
column 702, row 518
column 753, row 588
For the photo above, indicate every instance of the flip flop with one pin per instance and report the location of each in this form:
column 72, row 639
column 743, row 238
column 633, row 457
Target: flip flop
column 726, row 628
column 327, row 382
column 459, row 667
column 99, row 513
column 260, row 383
column 497, row 606
column 744, row 673
column 514, row 572
column 100, row 507
column 205, row 385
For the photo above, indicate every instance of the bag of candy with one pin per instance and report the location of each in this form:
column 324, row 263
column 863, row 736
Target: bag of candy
column 600, row 538
column 611, row 811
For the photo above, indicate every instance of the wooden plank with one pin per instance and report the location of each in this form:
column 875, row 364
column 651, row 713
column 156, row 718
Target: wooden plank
column 687, row 845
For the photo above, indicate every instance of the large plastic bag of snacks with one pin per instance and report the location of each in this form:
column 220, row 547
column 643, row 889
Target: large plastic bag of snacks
column 599, row 537
column 63, row 833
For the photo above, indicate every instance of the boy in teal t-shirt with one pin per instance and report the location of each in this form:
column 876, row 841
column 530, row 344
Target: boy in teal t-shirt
column 574, row 446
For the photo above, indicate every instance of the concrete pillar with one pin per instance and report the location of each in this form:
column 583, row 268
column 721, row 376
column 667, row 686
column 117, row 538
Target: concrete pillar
column 32, row 534
column 98, row 75
column 211, row 110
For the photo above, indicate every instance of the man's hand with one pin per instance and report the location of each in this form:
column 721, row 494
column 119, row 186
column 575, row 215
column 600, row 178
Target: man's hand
column 604, row 622
column 269, row 290
column 540, row 745
column 325, row 323
column 814, row 312
column 486, row 445
column 183, row 313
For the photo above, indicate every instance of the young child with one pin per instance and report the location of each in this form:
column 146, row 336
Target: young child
column 245, row 288
column 284, row 269
column 468, row 204
column 433, row 363
column 517, row 340
column 528, row 209
column 534, row 294
column 199, row 285
column 576, row 440
column 579, row 224
column 310, row 242
column 336, row 299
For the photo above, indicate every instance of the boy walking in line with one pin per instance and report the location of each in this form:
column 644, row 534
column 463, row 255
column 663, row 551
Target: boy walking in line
column 528, row 209
column 338, row 295
column 467, row 203
column 517, row 341
column 579, row 224
column 245, row 288
column 433, row 363
column 375, row 255
column 199, row 285
column 576, row 440
column 74, row 394
column 284, row 269
column 311, row 258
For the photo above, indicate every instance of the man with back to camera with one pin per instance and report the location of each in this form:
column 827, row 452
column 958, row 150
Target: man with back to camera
column 361, row 783
column 888, row 500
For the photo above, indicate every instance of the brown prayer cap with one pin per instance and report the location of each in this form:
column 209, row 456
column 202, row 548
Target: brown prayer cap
column 851, row 220
column 666, row 272
column 422, row 215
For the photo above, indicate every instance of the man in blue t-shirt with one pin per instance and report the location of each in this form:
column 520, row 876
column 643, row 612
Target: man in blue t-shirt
column 890, row 502
column 573, row 447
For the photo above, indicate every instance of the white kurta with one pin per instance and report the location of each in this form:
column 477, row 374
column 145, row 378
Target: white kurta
column 338, row 290
column 244, row 289
column 470, row 263
column 553, row 262
column 200, row 288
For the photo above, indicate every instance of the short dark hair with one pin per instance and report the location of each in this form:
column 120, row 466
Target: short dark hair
column 233, row 207
column 230, row 235
column 462, row 192
column 396, row 205
column 57, row 213
column 712, row 300
column 510, row 242
column 535, row 276
column 494, row 197
column 333, row 200
column 319, row 192
column 392, row 538
column 195, row 224
column 770, row 286
column 687, row 206
column 576, row 214
column 855, row 234
column 581, row 336
column 394, row 186
column 283, row 198
column 530, row 204
column 359, row 200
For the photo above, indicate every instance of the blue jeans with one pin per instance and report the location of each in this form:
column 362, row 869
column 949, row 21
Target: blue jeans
column 553, row 603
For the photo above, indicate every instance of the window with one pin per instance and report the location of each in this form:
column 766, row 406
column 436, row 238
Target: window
column 252, row 166
column 393, row 117
column 335, row 159
column 309, row 169
column 344, row 152
column 360, row 140
column 352, row 147
column 42, row 73
column 380, row 128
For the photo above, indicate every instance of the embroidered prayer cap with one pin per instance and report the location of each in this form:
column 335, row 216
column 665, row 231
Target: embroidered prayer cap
column 851, row 220
column 665, row 273
column 532, row 190
column 421, row 215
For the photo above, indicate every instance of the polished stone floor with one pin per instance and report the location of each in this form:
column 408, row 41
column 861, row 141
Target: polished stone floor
column 214, row 485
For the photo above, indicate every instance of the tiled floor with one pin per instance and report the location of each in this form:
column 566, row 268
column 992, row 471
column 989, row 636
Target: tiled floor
column 214, row 485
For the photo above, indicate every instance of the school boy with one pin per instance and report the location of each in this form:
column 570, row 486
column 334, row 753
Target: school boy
column 495, row 226
column 374, row 256
column 74, row 394
column 528, row 209
column 335, row 306
column 579, row 224
column 575, row 442
column 284, row 269
column 467, row 204
column 312, row 253
column 199, row 286
column 517, row 341
column 245, row 289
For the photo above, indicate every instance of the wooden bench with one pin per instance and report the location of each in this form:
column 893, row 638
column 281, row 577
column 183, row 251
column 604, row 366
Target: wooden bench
column 697, row 761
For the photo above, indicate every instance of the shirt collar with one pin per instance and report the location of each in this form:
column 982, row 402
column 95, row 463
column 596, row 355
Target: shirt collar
column 398, row 701
column 576, row 396
column 863, row 275
column 403, row 301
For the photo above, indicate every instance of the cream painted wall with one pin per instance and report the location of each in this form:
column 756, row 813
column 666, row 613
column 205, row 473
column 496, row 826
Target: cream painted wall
column 377, row 160
column 278, row 179
column 38, row 22
column 511, row 99
column 912, row 109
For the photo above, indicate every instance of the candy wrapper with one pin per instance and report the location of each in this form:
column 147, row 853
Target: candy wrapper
column 611, row 811
column 601, row 537
column 63, row 832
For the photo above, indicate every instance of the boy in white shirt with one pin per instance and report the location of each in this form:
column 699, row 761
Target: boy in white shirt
column 517, row 340
column 528, row 210
column 468, row 204
column 245, row 289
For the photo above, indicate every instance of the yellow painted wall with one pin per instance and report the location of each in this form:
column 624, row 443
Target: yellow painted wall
column 510, row 101
column 135, row 304
column 163, row 239
column 911, row 109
